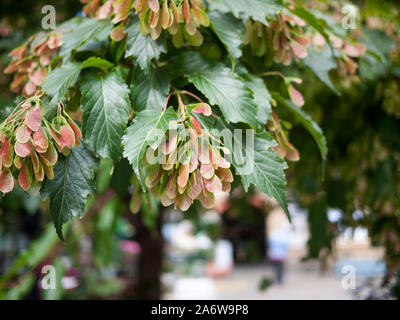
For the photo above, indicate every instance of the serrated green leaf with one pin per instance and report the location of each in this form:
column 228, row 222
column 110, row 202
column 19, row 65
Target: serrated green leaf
column 256, row 9
column 97, row 62
column 122, row 71
column 230, row 31
column 221, row 86
column 72, row 184
column 106, row 107
column 87, row 30
column 256, row 162
column 261, row 96
column 143, row 48
column 59, row 80
column 307, row 122
column 121, row 178
column 150, row 91
column 145, row 130
column 378, row 43
column 321, row 62
column 268, row 174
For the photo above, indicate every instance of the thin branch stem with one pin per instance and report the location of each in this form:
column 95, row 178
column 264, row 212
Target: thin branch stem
column 271, row 73
column 192, row 95
column 166, row 101
column 181, row 105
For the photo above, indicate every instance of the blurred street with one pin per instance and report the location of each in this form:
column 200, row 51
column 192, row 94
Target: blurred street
column 354, row 260
column 301, row 282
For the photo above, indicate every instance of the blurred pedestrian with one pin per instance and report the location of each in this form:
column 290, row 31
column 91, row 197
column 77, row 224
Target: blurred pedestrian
column 278, row 243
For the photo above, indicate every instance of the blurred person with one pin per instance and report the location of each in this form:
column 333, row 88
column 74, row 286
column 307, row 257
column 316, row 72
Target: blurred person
column 278, row 243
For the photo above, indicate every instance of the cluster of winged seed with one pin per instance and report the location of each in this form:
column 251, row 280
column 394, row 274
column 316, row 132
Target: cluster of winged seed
column 284, row 149
column 196, row 174
column 26, row 144
column 348, row 52
column 281, row 41
column 186, row 165
column 180, row 18
column 30, row 62
column 118, row 10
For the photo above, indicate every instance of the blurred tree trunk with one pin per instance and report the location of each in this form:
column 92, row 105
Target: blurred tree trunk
column 150, row 259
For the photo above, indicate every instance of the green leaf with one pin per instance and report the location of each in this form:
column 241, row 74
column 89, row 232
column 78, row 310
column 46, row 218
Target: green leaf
column 59, row 80
column 268, row 174
column 146, row 130
column 378, row 43
column 72, row 184
column 256, row 9
column 103, row 175
column 121, row 177
column 230, row 31
column 150, row 92
column 106, row 107
column 307, row 122
column 256, row 162
column 143, row 48
column 87, row 30
column 97, row 62
column 221, row 86
column 261, row 96
column 321, row 62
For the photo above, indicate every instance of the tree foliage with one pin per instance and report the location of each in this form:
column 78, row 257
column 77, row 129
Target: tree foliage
column 162, row 77
column 145, row 44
